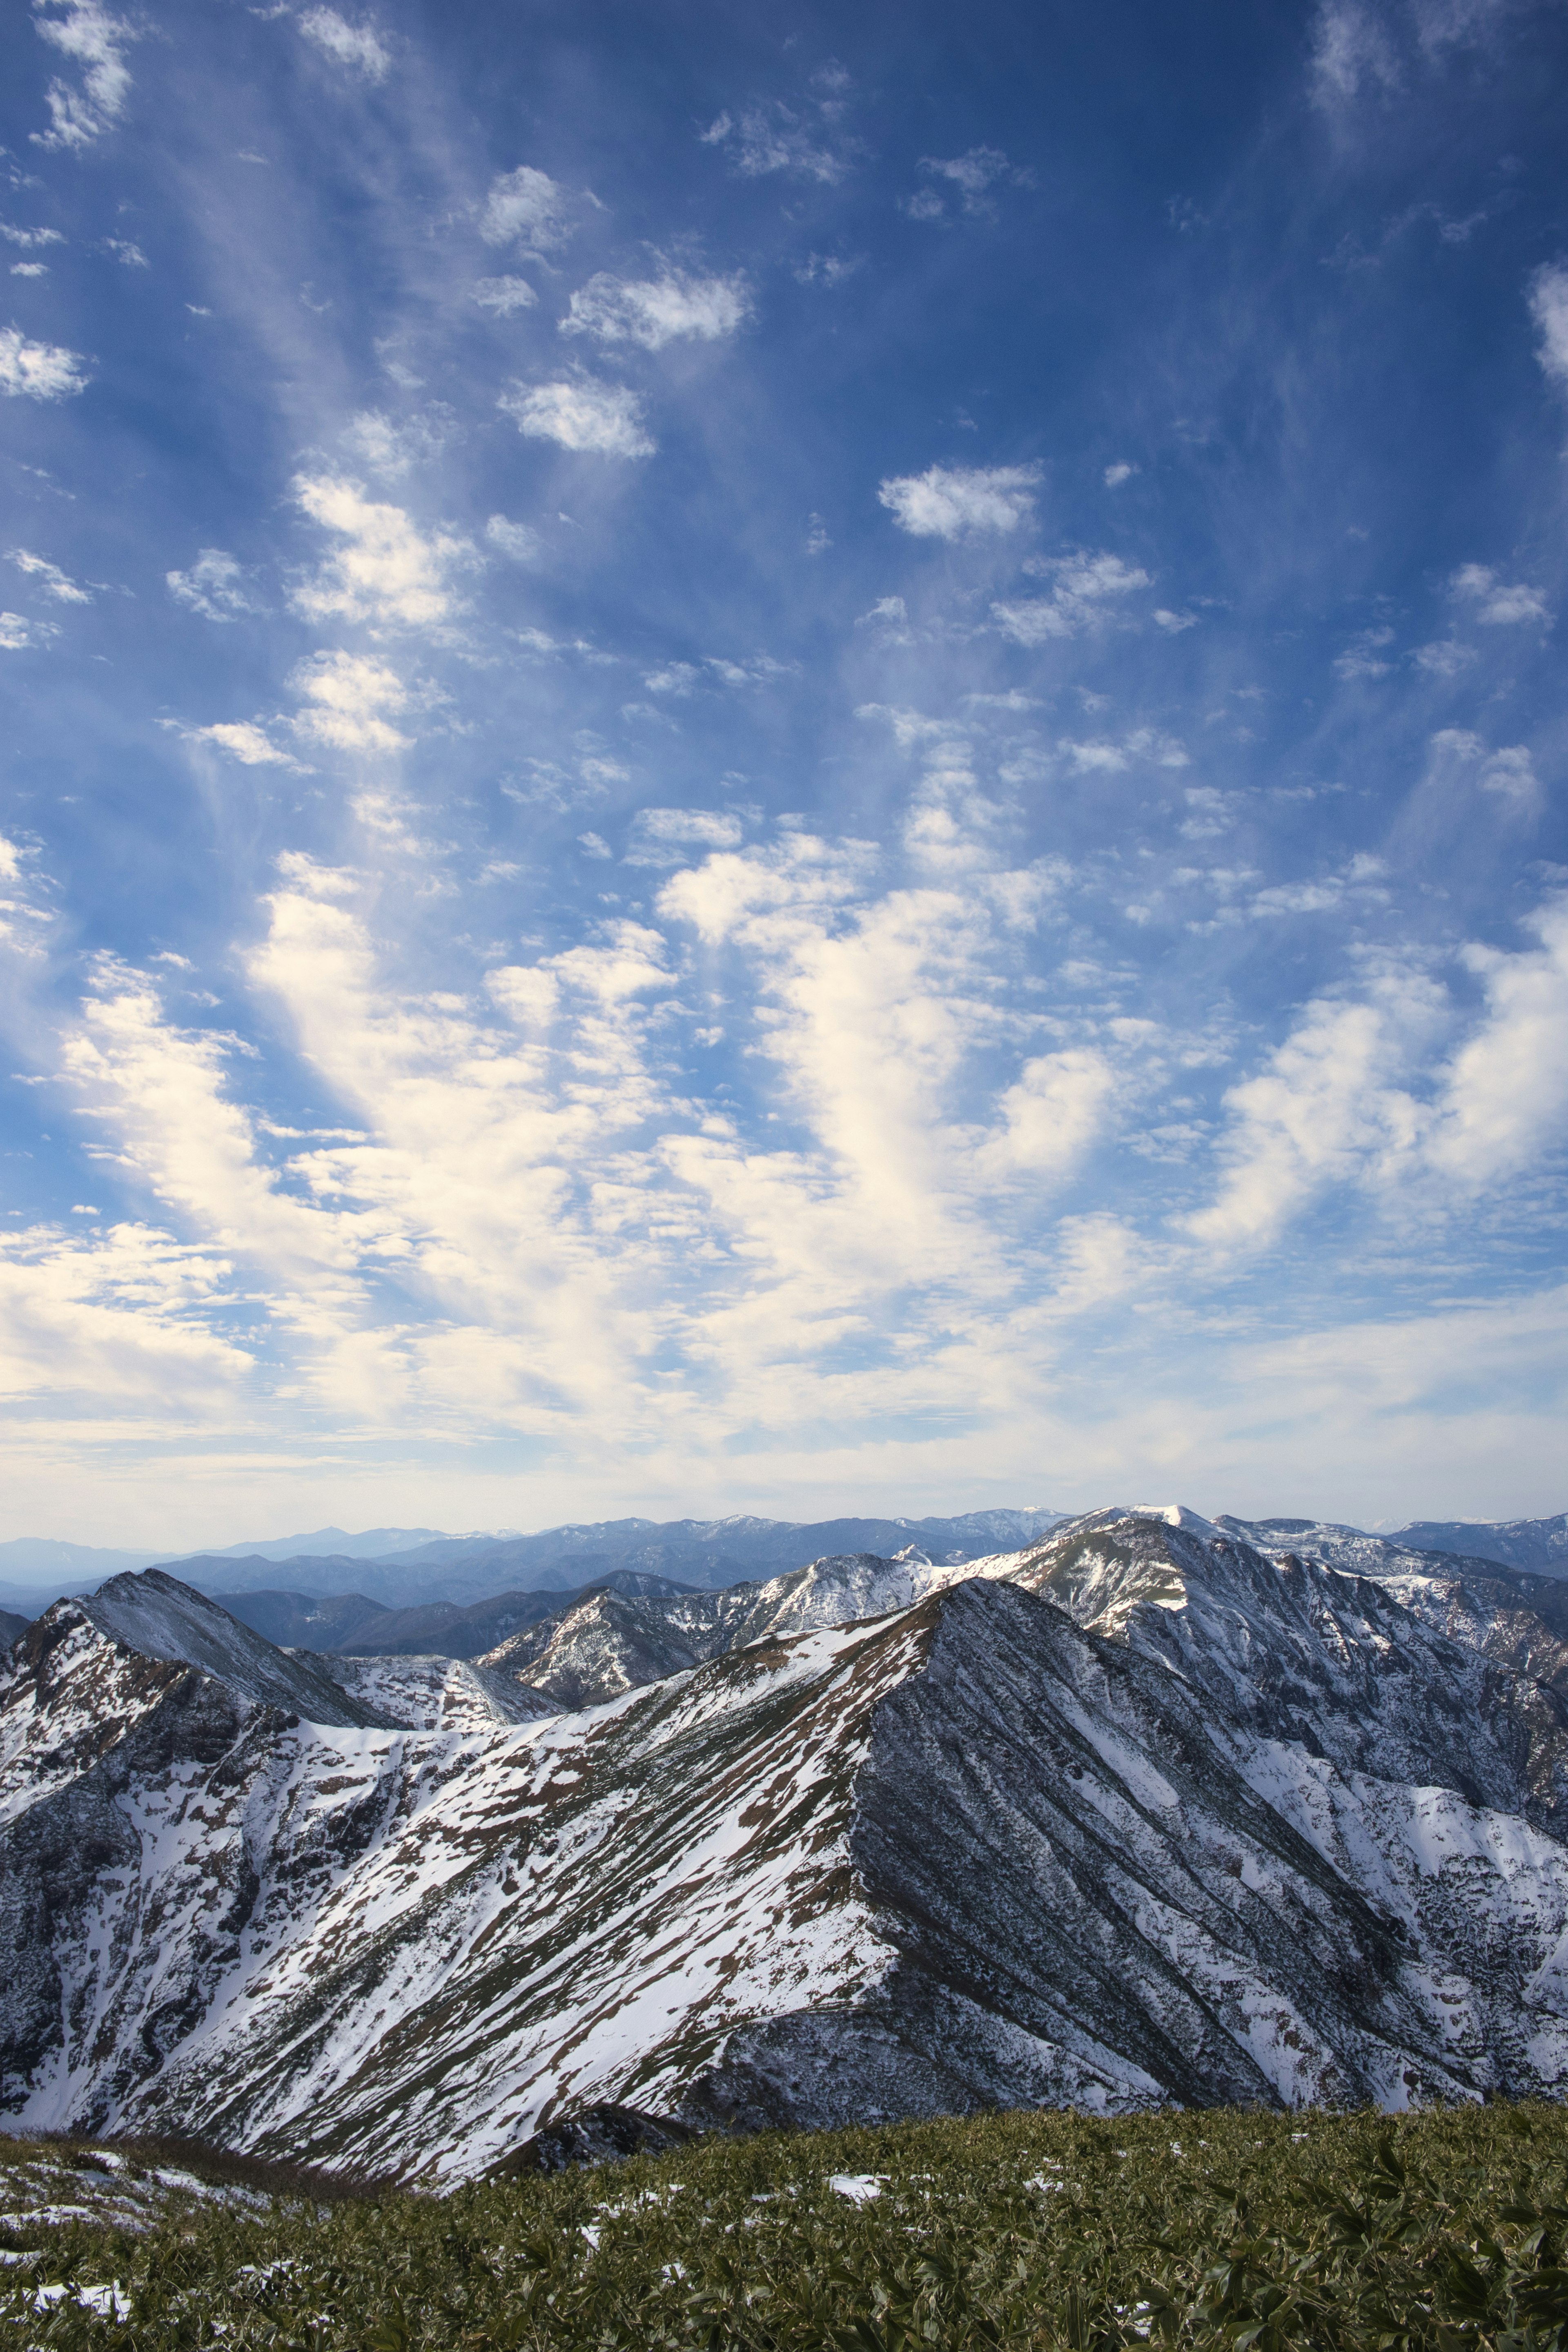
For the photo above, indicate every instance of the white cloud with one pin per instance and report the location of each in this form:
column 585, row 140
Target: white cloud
column 1353, row 1097
column 129, row 256
column 1122, row 471
column 514, row 539
column 346, row 695
column 355, row 46
column 1509, row 773
column 655, row 312
column 1496, row 602
column 1350, row 50
column 19, row 635
column 503, row 295
column 1505, row 1095
column 386, row 573
column 1146, row 744
column 890, row 619
column 1364, row 655
column 581, row 416
column 29, row 269
column 41, row 371
column 92, row 38
column 390, row 448
column 244, row 741
column 50, row 578
column 828, row 268
column 775, row 138
column 30, row 239
column 1086, row 587
column 525, row 207
column 949, row 502
column 1443, row 658
column 665, row 836
column 115, row 1316
column 1331, row 1107
column 1174, row 622
column 211, row 586
column 973, row 175
column 1549, row 309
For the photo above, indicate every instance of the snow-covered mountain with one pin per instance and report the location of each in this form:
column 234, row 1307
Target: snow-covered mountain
column 1136, row 1812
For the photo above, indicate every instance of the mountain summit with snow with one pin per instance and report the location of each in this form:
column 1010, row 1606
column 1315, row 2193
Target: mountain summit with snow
column 1153, row 1809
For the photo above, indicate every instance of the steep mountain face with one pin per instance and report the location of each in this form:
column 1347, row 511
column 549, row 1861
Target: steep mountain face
column 1519, row 1619
column 1139, row 1813
column 153, row 1616
column 611, row 1642
column 167, row 1826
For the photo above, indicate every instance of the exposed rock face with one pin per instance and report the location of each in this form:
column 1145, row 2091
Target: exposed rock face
column 1138, row 1813
column 609, row 1642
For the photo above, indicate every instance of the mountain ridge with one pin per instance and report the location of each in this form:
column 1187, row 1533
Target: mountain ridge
column 1135, row 1813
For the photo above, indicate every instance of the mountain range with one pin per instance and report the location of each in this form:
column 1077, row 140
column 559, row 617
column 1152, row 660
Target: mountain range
column 1149, row 1808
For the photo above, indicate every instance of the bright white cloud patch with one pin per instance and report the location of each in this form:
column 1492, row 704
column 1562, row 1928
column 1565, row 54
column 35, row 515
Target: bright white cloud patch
column 50, row 577
column 384, row 571
column 94, row 42
column 525, row 207
column 1549, row 309
column 17, row 632
column 658, row 310
column 346, row 698
column 952, row 502
column 245, row 741
column 1497, row 603
column 39, row 370
column 358, row 46
column 582, row 415
column 1085, row 592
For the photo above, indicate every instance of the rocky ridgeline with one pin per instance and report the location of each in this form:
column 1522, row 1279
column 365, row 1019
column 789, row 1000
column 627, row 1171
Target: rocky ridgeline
column 1154, row 1809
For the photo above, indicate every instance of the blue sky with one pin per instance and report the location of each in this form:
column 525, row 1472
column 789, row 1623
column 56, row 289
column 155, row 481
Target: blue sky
column 782, row 759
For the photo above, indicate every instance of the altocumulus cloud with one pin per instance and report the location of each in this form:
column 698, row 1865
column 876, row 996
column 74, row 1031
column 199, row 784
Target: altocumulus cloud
column 39, row 370
column 345, row 696
column 355, row 46
column 525, row 207
column 92, row 38
column 658, row 310
column 581, row 415
column 951, row 501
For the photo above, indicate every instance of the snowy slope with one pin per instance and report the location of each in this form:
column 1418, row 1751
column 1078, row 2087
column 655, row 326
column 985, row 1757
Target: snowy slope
column 434, row 1693
column 611, row 1642
column 155, row 1616
column 1138, row 1813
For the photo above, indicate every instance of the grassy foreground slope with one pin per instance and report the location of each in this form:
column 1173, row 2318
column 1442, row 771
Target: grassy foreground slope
column 1444, row 2230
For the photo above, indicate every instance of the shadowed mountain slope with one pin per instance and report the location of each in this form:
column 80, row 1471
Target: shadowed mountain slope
column 1140, row 1814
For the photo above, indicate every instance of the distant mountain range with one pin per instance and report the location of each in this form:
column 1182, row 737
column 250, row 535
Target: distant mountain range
column 1148, row 1808
column 417, row 1568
